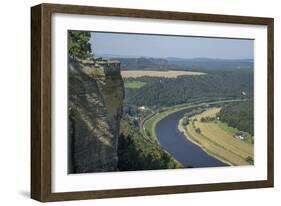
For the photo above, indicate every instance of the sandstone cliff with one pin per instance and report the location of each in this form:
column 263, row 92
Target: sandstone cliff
column 95, row 101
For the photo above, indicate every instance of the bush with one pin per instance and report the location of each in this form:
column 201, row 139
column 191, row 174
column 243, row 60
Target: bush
column 198, row 130
column 250, row 160
column 207, row 119
column 185, row 121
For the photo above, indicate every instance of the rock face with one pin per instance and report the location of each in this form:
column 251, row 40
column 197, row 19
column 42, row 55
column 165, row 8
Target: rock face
column 95, row 101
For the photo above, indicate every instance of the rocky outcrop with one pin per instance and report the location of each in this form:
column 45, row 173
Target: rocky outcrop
column 95, row 101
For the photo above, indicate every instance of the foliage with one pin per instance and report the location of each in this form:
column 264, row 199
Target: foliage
column 163, row 92
column 148, row 133
column 185, row 121
column 239, row 115
column 137, row 153
column 207, row 119
column 250, row 160
column 79, row 45
column 198, row 130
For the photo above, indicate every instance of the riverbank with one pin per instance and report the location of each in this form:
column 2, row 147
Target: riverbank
column 148, row 126
column 214, row 140
column 183, row 130
column 174, row 142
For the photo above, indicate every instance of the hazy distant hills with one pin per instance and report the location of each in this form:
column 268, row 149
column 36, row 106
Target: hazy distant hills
column 173, row 63
column 217, row 64
column 144, row 63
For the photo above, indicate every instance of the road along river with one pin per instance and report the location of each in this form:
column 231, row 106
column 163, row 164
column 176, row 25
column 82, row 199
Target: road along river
column 183, row 150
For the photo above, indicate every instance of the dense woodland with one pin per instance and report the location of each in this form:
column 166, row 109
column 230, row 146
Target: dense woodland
column 239, row 115
column 161, row 92
column 137, row 153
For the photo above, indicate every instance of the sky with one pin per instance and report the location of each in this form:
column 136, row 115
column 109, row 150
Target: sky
column 162, row 46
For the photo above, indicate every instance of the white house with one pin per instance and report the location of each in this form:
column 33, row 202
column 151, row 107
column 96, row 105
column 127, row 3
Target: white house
column 240, row 137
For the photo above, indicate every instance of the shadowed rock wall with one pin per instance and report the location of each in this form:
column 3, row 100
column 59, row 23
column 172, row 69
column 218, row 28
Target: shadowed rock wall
column 95, row 101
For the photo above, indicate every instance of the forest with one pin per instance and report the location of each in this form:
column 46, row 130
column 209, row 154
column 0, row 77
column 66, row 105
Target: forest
column 239, row 115
column 160, row 92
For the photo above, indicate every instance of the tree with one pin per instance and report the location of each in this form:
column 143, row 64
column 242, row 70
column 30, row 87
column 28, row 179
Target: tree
column 185, row 121
column 79, row 44
column 203, row 119
column 198, row 130
column 250, row 160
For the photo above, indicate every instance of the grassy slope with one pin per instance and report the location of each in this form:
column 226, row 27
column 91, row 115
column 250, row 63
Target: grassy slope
column 227, row 128
column 217, row 139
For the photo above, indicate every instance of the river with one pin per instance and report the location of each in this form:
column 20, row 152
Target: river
column 183, row 150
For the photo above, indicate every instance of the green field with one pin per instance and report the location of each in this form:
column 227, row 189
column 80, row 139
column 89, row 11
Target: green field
column 227, row 128
column 134, row 84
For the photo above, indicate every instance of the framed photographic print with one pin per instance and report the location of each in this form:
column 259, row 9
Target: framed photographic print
column 130, row 102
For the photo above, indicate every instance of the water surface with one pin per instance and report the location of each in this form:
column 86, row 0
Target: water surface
column 183, row 150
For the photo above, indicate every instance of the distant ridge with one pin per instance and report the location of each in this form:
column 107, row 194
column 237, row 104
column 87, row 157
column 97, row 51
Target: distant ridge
column 174, row 58
column 206, row 59
column 174, row 63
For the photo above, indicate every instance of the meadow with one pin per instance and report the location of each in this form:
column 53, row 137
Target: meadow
column 134, row 84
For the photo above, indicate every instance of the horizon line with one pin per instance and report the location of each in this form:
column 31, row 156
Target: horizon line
column 166, row 57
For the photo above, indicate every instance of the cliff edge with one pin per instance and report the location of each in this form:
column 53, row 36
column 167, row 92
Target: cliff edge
column 95, row 102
